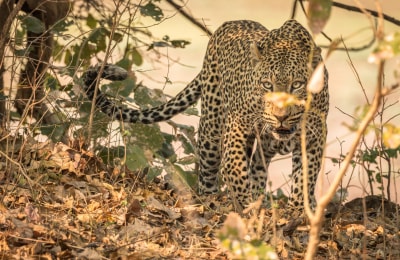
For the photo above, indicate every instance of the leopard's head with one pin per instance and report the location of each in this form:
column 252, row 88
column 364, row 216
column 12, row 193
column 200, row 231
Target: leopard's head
column 283, row 63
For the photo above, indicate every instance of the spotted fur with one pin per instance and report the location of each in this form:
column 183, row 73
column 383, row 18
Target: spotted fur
column 245, row 62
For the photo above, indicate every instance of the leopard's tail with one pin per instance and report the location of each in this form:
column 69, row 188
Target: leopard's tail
column 179, row 103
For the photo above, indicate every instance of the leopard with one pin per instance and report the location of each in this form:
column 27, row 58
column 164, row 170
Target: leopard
column 241, row 128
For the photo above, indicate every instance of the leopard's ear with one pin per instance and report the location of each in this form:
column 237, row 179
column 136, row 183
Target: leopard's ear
column 255, row 53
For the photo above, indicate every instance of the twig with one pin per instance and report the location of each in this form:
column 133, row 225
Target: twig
column 294, row 9
column 189, row 17
column 32, row 239
column 372, row 12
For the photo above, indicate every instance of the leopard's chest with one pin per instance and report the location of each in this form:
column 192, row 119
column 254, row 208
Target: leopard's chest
column 271, row 146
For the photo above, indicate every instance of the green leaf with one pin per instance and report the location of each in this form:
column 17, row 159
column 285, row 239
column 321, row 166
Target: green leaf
column 135, row 158
column 145, row 96
column 136, row 57
column 120, row 88
column 32, row 24
column 158, row 44
column 189, row 178
column 124, row 63
column 378, row 178
column 68, row 57
column 131, row 57
column 129, row 85
column 118, row 37
column 98, row 37
column 51, row 82
column 61, row 26
column 69, row 87
column 392, row 153
column 153, row 173
column 280, row 194
column 152, row 10
column 318, row 14
column 174, row 43
column 91, row 21
column 370, row 156
column 20, row 37
column 147, row 136
column 179, row 43
column 166, row 150
column 169, row 138
column 186, row 144
column 370, row 173
column 55, row 132
column 75, row 55
column 192, row 111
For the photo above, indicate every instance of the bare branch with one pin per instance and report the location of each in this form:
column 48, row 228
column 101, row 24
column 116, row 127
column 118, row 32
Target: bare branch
column 294, row 9
column 189, row 17
column 354, row 9
column 372, row 12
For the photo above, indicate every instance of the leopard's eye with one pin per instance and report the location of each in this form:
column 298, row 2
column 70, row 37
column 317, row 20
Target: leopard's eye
column 297, row 85
column 267, row 85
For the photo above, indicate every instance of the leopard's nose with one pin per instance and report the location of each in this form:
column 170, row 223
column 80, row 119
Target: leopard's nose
column 281, row 118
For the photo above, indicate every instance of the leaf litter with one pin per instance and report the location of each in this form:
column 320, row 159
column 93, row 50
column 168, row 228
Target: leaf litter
column 61, row 203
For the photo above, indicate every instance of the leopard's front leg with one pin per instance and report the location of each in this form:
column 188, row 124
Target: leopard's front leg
column 234, row 164
column 315, row 143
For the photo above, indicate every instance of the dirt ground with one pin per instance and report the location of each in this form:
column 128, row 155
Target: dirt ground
column 60, row 203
